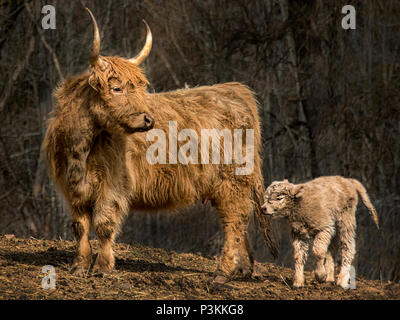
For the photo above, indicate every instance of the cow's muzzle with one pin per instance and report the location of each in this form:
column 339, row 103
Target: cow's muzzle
column 148, row 121
column 139, row 122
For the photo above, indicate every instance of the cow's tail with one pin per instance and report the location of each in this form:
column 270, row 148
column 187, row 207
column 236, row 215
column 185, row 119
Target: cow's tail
column 365, row 199
column 265, row 223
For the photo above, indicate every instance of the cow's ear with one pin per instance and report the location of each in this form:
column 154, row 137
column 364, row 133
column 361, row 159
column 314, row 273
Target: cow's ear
column 93, row 82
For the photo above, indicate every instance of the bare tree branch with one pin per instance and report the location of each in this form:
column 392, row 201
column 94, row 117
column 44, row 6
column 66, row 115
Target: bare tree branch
column 16, row 72
column 45, row 43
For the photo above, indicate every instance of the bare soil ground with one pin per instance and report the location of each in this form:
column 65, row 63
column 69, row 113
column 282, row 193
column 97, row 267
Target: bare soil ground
column 151, row 273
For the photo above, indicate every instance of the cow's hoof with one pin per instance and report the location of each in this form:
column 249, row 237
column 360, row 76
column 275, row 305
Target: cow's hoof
column 100, row 271
column 101, row 268
column 218, row 283
column 79, row 270
column 220, row 280
column 259, row 271
column 246, row 272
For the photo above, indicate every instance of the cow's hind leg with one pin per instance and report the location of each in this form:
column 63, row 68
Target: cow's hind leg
column 236, row 257
column 81, row 224
column 107, row 221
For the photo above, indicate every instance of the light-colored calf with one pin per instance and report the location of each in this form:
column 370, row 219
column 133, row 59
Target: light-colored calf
column 323, row 210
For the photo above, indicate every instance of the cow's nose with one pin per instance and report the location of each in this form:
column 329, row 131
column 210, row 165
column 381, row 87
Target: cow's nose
column 264, row 209
column 148, row 121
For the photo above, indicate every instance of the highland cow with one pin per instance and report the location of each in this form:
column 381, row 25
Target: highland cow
column 323, row 209
column 96, row 148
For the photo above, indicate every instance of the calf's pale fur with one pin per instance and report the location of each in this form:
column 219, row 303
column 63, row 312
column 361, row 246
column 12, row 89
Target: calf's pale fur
column 323, row 210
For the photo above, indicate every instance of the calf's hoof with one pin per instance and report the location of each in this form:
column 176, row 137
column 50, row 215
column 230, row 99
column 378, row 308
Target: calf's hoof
column 343, row 281
column 320, row 276
column 330, row 278
column 298, row 283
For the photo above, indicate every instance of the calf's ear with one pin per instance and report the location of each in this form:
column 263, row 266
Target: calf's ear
column 297, row 191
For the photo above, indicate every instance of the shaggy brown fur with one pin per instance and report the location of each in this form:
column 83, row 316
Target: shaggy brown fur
column 323, row 209
column 96, row 150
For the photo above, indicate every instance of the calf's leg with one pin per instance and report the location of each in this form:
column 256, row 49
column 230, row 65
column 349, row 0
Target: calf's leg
column 347, row 247
column 320, row 248
column 300, row 248
column 331, row 259
column 330, row 267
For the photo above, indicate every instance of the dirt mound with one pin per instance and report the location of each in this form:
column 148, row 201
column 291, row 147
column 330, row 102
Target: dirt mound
column 151, row 273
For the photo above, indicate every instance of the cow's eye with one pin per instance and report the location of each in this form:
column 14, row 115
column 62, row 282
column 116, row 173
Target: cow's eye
column 117, row 89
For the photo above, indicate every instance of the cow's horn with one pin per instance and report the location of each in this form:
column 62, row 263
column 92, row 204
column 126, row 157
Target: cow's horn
column 95, row 53
column 146, row 49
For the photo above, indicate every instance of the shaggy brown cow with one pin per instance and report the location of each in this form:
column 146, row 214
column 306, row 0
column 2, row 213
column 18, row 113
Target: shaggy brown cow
column 96, row 149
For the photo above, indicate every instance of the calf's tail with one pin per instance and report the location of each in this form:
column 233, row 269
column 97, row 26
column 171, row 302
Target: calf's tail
column 365, row 199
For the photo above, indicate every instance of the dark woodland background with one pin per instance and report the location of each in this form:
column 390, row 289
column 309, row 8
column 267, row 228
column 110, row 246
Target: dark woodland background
column 329, row 104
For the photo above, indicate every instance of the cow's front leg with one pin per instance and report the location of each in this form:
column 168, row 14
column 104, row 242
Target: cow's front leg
column 81, row 224
column 106, row 223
